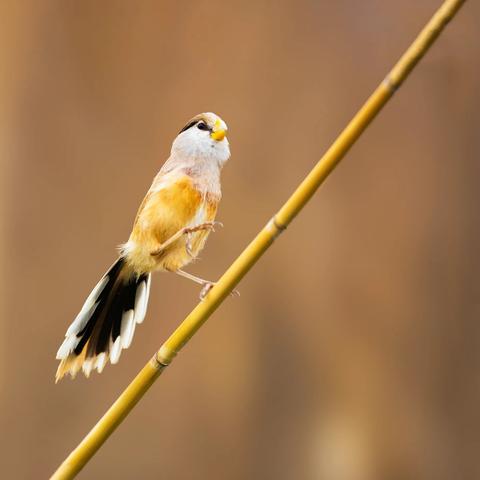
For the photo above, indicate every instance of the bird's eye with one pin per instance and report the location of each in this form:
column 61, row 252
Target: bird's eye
column 202, row 126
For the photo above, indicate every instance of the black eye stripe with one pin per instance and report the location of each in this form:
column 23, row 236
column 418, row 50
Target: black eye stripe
column 201, row 125
column 189, row 125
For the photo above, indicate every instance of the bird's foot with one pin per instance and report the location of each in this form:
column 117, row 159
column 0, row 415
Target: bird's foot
column 185, row 231
column 203, row 226
column 209, row 285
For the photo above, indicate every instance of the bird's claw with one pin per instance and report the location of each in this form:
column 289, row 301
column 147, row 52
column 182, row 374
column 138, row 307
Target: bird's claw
column 205, row 289
column 209, row 285
column 216, row 224
column 203, row 226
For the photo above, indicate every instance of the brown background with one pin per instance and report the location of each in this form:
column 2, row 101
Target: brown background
column 353, row 352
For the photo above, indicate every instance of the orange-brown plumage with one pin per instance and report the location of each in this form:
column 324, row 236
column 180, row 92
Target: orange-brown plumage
column 177, row 204
column 170, row 229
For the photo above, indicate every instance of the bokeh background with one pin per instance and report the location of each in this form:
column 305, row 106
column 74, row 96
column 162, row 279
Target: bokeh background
column 353, row 351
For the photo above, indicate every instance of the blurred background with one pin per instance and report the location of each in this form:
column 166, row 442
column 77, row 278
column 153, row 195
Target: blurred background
column 353, row 351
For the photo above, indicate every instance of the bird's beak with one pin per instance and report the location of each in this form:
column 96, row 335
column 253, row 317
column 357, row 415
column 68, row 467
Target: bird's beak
column 218, row 133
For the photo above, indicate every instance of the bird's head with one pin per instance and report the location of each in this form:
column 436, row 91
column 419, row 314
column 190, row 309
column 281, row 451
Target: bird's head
column 203, row 136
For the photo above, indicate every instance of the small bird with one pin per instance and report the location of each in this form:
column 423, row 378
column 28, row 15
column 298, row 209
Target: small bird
column 170, row 229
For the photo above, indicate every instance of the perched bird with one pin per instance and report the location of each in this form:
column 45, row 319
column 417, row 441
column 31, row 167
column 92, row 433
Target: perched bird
column 171, row 227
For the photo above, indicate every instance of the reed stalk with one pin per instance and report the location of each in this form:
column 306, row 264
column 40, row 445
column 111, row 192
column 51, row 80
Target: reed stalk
column 247, row 259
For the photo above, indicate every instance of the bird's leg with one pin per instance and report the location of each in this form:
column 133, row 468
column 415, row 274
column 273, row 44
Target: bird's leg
column 195, row 279
column 203, row 226
column 168, row 242
column 207, row 285
column 185, row 231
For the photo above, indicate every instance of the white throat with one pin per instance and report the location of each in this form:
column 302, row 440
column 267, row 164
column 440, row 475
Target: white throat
column 197, row 145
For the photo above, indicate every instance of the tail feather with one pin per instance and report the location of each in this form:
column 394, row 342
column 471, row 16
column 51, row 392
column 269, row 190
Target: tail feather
column 106, row 322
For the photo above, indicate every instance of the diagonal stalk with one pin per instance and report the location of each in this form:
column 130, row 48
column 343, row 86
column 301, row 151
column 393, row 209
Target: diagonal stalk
column 152, row 370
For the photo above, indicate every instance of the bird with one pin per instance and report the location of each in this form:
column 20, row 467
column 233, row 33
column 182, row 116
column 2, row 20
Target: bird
column 170, row 229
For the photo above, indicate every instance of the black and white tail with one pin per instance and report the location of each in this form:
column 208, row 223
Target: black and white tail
column 106, row 322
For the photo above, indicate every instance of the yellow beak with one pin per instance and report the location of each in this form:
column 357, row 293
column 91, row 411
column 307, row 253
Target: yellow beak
column 218, row 134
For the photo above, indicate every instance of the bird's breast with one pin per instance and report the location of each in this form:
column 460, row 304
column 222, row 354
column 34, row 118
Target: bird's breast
column 163, row 213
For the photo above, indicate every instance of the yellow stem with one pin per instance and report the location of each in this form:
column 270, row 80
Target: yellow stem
column 142, row 382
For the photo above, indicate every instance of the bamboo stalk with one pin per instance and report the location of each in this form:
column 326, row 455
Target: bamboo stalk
column 142, row 382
